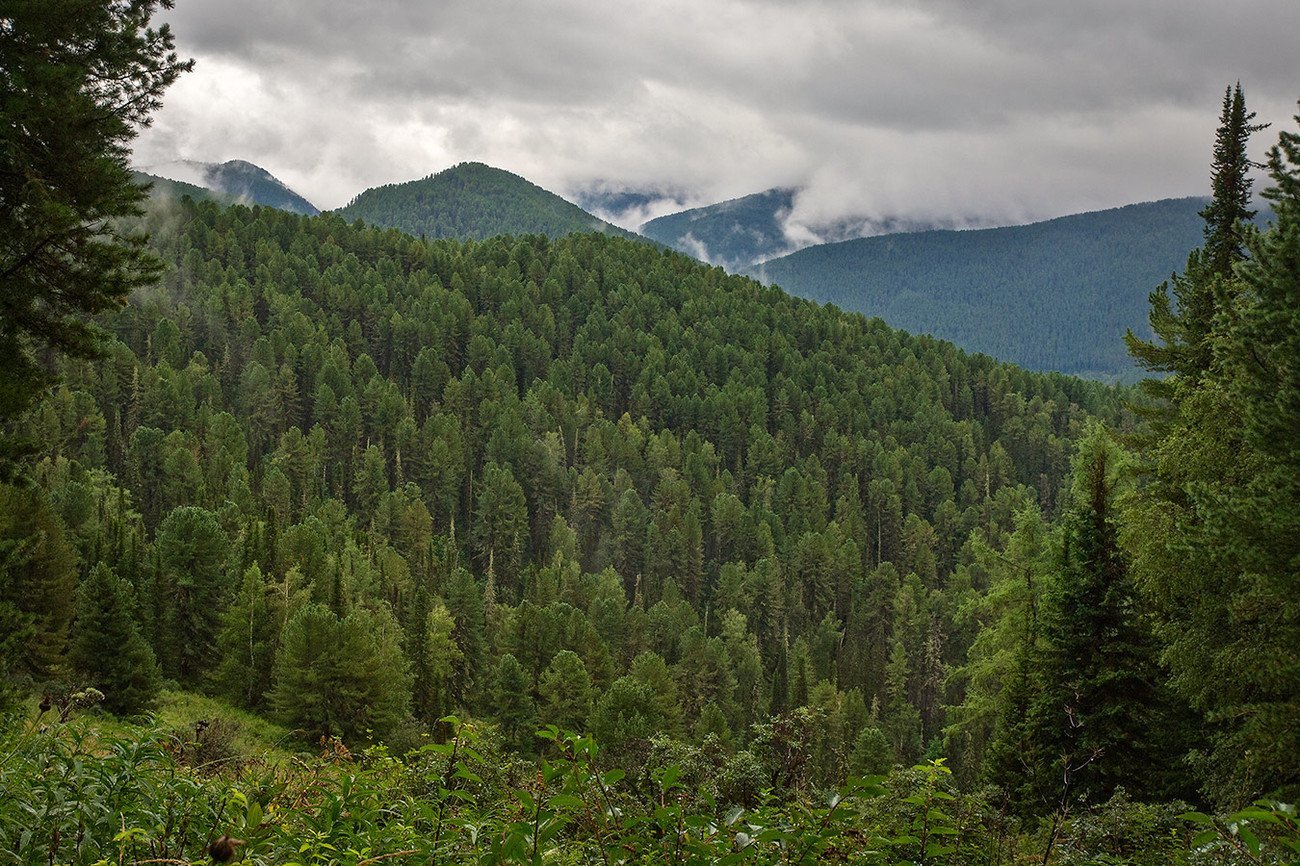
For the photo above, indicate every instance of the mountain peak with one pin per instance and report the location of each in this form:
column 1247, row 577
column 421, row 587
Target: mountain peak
column 238, row 179
column 473, row 200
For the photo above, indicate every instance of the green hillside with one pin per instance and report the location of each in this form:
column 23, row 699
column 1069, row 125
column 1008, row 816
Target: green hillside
column 473, row 200
column 1055, row 295
column 326, row 544
column 584, row 444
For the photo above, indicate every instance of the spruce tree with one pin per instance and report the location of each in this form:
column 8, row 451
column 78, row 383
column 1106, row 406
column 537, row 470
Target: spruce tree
column 37, row 589
column 1229, row 212
column 107, row 650
column 1184, row 326
column 1213, row 531
column 1252, row 528
column 1092, row 726
column 342, row 677
column 192, row 589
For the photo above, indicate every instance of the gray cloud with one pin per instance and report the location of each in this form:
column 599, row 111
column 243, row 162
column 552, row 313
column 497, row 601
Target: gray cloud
column 949, row 109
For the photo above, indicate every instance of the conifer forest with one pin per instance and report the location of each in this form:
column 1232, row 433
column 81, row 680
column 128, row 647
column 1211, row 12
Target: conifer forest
column 326, row 543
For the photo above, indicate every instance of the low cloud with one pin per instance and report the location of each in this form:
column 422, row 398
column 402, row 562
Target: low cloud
column 938, row 109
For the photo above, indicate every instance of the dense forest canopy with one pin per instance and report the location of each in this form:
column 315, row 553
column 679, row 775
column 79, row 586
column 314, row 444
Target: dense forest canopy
column 622, row 420
column 572, row 549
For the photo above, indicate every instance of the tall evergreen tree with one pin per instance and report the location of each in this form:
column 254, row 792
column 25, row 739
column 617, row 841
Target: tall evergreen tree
column 566, row 692
column 513, row 704
column 342, row 676
column 37, row 589
column 1093, row 726
column 1183, row 328
column 1213, row 533
column 81, row 76
column 1229, row 212
column 246, row 644
column 192, row 552
column 106, row 647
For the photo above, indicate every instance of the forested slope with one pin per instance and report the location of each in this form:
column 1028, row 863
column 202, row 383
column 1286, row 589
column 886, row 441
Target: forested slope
column 1054, row 295
column 473, row 201
column 236, row 180
column 353, row 479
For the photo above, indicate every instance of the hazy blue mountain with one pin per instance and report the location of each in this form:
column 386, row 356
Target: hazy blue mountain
column 741, row 232
column 734, row 234
column 241, row 181
column 473, row 200
column 630, row 207
column 1053, row 295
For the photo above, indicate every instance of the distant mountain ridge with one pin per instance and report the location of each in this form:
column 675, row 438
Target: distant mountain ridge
column 1053, row 295
column 473, row 201
column 741, row 232
column 238, row 179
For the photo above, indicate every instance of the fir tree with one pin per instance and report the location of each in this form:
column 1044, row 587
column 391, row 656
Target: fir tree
column 342, row 677
column 37, row 588
column 1213, row 532
column 246, row 644
column 1094, row 719
column 1183, row 329
column 192, row 551
column 565, row 692
column 106, row 647
column 1229, row 213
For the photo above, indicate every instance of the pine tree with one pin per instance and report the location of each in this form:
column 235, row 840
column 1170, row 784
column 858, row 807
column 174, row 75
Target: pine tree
column 37, row 589
column 434, row 659
column 1229, row 212
column 192, row 552
column 465, row 603
column 1213, row 532
column 106, row 647
column 1184, row 330
column 1251, row 527
column 79, row 80
column 342, row 676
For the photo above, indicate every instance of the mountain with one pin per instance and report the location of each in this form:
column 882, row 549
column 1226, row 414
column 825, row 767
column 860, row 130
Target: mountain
column 473, row 200
column 1054, row 295
column 734, row 233
column 741, row 232
column 628, row 206
column 240, row 180
column 165, row 187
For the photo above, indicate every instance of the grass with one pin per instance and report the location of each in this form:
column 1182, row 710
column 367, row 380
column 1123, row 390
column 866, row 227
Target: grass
column 250, row 734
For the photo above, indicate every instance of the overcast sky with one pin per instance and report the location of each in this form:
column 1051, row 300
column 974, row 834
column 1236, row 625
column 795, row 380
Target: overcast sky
column 1002, row 110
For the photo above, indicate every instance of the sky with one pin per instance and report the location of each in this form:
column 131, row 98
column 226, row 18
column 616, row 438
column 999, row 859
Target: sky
column 984, row 111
